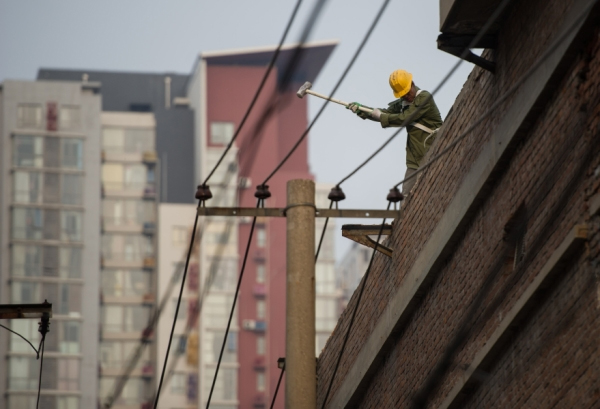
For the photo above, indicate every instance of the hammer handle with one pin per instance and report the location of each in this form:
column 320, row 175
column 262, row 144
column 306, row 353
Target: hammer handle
column 337, row 101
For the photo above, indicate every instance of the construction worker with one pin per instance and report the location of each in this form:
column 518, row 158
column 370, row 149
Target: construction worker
column 416, row 105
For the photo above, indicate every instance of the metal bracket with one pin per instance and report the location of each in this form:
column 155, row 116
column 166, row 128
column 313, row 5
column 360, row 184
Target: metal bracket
column 13, row 311
column 456, row 45
column 277, row 212
column 360, row 234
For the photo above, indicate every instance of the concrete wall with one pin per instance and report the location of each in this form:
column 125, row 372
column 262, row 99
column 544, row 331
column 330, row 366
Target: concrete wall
column 429, row 325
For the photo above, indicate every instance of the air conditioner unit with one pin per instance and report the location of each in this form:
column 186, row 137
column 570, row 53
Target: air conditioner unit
column 244, row 183
column 249, row 325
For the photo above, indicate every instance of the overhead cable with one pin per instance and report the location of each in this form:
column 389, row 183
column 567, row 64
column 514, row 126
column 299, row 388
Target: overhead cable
column 335, row 88
column 259, row 203
column 37, row 353
column 288, row 73
column 277, row 387
column 355, row 310
column 185, row 270
column 258, row 91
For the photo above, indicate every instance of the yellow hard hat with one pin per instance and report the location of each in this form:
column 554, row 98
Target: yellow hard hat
column 400, row 81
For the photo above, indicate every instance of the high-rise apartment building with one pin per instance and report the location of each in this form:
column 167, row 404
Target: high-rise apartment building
column 49, row 239
column 128, row 253
column 195, row 117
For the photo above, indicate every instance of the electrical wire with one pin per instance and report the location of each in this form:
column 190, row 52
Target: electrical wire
column 37, row 353
column 42, row 344
column 277, row 387
column 286, row 77
column 323, row 232
column 497, row 13
column 258, row 91
column 259, row 203
column 360, row 294
column 332, row 93
column 187, row 261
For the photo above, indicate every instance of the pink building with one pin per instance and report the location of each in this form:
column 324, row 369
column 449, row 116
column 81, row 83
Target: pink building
column 231, row 80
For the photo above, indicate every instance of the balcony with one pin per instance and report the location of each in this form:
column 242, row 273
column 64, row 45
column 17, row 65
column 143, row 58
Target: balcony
column 259, row 363
column 149, row 263
column 254, row 325
column 259, row 400
column 149, row 228
column 145, row 190
column 260, row 290
column 148, row 299
column 149, row 157
column 148, row 370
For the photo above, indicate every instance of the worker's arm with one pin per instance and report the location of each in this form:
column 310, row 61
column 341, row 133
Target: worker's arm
column 421, row 104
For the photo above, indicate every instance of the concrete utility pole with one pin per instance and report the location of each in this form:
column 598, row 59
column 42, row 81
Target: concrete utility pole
column 300, row 363
column 300, row 360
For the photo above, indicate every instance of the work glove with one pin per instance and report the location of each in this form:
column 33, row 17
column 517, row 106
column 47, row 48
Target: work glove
column 376, row 114
column 354, row 107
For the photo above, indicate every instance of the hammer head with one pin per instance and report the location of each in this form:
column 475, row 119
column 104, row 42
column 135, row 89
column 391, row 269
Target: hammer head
column 302, row 91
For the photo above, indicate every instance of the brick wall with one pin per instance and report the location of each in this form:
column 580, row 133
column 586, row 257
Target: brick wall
column 552, row 176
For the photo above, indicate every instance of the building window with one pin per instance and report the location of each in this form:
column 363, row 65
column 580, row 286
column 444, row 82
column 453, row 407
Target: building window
column 119, row 176
column 225, row 385
column 69, row 118
column 182, row 314
column 128, row 140
column 28, row 151
column 221, row 132
column 71, row 226
column 116, row 354
column 261, row 237
column 126, row 247
column 260, row 345
column 128, row 318
column 50, row 188
column 261, row 272
column 72, row 153
column 68, row 374
column 179, row 235
column 178, row 384
column 29, row 116
column 27, row 224
column 260, row 381
column 126, row 283
column 261, row 309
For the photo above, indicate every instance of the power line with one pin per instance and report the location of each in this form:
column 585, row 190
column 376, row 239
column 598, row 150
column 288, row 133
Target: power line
column 237, row 290
column 26, row 340
column 335, row 88
column 258, row 91
column 43, row 342
column 277, row 387
column 187, row 261
column 360, row 294
column 287, row 75
column 446, row 78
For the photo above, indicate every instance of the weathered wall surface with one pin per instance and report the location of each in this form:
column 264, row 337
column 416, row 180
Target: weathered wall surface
column 549, row 184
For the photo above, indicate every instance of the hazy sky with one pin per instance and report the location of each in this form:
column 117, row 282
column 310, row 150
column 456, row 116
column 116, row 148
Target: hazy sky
column 166, row 36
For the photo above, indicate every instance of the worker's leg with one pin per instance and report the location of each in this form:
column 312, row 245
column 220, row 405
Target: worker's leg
column 408, row 185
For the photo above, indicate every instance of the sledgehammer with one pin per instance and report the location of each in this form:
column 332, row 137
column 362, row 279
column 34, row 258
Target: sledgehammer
column 306, row 89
